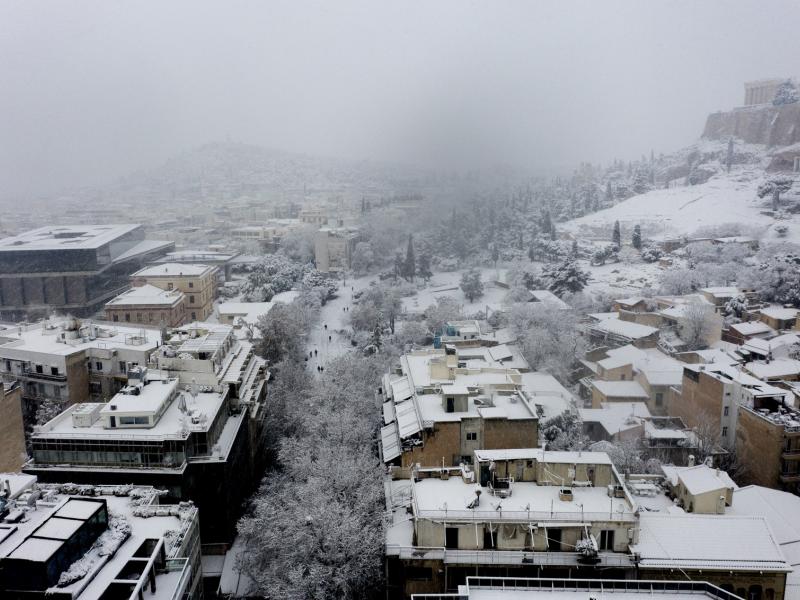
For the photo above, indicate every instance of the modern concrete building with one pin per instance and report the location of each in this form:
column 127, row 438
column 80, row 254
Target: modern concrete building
column 198, row 283
column 191, row 424
column 66, row 361
column 73, row 269
column 96, row 542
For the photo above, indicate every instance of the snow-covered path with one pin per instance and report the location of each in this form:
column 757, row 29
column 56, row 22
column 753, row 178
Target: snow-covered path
column 335, row 318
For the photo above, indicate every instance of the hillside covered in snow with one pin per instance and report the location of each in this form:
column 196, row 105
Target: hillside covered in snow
column 720, row 203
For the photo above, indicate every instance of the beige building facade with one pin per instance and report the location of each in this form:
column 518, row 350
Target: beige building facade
column 197, row 282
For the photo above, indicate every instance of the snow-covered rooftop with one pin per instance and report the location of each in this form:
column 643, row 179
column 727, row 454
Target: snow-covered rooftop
column 620, row 389
column 45, row 338
column 448, row 499
column 699, row 479
column 615, row 417
column 66, row 237
column 174, row 270
column 753, row 328
column 549, row 298
column 774, row 345
column 779, row 508
column 779, row 312
column 56, row 515
column 627, row 329
column 774, row 369
column 722, row 291
column 713, row 542
column 506, row 588
column 147, row 295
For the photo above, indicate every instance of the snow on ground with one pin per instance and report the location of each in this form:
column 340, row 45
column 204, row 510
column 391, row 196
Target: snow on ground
column 682, row 210
column 447, row 284
column 329, row 335
column 620, row 279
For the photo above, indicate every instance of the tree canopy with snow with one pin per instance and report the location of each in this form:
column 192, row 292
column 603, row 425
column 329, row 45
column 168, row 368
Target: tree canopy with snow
column 471, row 284
column 786, row 94
column 565, row 278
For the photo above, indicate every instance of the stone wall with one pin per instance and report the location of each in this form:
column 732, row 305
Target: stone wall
column 764, row 124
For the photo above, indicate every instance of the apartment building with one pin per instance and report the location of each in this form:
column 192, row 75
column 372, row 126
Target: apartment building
column 108, row 542
column 527, row 512
column 712, row 395
column 768, row 443
column 190, row 423
column 655, row 372
column 197, row 282
column 736, row 553
column 148, row 305
column 442, row 405
column 72, row 269
column 67, row 360
column 12, row 428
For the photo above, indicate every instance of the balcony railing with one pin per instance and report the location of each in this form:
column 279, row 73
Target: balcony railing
column 506, row 557
column 525, row 516
column 32, row 374
column 602, row 585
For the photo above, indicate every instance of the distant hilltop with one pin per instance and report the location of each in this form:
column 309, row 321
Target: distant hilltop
column 770, row 115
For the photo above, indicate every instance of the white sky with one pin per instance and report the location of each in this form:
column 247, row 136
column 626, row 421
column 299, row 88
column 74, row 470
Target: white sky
column 90, row 90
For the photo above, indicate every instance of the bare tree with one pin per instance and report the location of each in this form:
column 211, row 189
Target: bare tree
column 696, row 324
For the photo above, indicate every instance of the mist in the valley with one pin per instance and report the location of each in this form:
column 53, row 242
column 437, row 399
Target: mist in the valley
column 93, row 90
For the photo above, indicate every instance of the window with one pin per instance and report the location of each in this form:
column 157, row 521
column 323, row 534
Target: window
column 472, row 436
column 115, row 317
column 451, row 406
column 123, row 366
column 194, row 316
column 659, row 399
column 607, row 539
column 53, row 370
column 127, row 317
column 191, row 298
column 170, row 286
column 724, row 432
column 191, row 284
column 451, row 537
column 56, row 392
column 134, row 420
column 98, row 366
column 725, row 411
column 39, row 369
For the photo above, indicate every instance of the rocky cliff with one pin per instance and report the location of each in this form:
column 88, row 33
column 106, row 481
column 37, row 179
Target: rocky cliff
column 764, row 124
